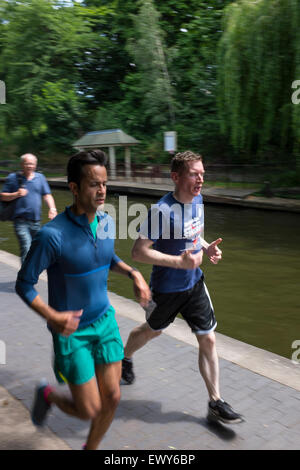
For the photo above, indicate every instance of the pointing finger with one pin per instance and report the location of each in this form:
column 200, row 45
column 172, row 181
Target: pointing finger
column 216, row 242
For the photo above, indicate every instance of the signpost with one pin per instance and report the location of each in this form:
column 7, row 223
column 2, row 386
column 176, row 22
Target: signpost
column 170, row 141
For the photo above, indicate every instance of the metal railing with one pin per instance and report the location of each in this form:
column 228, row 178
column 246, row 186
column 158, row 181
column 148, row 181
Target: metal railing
column 256, row 174
column 225, row 174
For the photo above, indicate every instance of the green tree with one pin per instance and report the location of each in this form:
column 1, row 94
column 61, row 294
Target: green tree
column 146, row 102
column 59, row 112
column 68, row 69
column 44, row 48
column 107, row 66
column 258, row 60
column 197, row 29
column 189, row 31
column 153, row 78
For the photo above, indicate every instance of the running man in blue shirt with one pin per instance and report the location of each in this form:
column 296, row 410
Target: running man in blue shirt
column 77, row 249
column 171, row 240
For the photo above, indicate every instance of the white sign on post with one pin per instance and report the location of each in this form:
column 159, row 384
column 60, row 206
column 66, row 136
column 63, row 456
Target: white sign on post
column 170, row 141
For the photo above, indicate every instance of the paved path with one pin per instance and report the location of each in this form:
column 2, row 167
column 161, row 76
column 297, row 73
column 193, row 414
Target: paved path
column 166, row 407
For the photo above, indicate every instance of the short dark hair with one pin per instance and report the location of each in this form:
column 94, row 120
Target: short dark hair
column 80, row 159
column 178, row 163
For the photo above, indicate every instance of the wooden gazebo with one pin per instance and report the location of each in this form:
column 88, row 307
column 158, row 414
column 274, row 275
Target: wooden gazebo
column 111, row 139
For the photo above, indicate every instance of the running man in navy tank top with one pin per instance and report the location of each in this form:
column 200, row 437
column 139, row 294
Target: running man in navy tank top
column 171, row 239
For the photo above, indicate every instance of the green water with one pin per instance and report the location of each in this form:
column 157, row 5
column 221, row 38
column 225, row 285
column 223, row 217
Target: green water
column 254, row 289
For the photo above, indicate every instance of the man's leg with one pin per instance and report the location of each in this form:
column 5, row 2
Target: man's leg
column 138, row 337
column 96, row 400
column 209, row 364
column 83, row 403
column 34, row 228
column 22, row 231
column 218, row 409
column 108, row 378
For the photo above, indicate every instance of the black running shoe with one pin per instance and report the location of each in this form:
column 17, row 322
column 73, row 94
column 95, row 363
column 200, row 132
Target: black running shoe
column 40, row 406
column 219, row 410
column 127, row 371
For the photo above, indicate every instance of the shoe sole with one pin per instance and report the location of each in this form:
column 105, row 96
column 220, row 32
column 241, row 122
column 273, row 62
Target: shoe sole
column 38, row 417
column 213, row 418
column 128, row 382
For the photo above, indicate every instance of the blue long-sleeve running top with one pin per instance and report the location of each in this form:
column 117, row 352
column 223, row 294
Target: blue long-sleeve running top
column 77, row 265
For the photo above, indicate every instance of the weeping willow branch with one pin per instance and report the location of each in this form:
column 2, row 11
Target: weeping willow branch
column 258, row 59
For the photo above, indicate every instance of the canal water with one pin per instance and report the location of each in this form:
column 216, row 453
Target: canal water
column 254, row 289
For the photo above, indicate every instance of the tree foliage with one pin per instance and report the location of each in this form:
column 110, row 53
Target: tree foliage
column 219, row 72
column 44, row 49
column 180, row 82
column 194, row 72
column 258, row 61
column 148, row 51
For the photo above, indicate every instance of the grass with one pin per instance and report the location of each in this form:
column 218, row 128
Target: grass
column 282, row 195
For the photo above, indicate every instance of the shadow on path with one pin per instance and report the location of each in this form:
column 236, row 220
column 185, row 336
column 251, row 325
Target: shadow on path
column 151, row 412
column 8, row 287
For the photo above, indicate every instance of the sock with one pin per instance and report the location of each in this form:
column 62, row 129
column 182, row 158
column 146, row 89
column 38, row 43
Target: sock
column 48, row 389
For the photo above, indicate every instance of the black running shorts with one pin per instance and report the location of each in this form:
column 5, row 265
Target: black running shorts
column 194, row 305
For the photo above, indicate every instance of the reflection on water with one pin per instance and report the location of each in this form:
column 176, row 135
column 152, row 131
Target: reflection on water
column 254, row 289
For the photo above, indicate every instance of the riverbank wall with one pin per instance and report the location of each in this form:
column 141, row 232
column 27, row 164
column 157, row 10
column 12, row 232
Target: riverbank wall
column 212, row 195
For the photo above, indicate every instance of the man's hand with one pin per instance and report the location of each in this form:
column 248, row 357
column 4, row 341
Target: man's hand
column 65, row 323
column 190, row 260
column 22, row 192
column 49, row 200
column 52, row 212
column 141, row 289
column 213, row 252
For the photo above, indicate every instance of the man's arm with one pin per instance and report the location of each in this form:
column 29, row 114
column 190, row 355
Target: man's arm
column 9, row 191
column 43, row 253
column 142, row 251
column 11, row 196
column 212, row 250
column 140, row 287
column 64, row 323
column 49, row 200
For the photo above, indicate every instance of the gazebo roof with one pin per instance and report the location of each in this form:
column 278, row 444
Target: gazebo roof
column 106, row 138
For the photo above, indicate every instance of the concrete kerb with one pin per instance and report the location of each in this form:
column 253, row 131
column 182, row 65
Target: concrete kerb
column 249, row 357
column 17, row 431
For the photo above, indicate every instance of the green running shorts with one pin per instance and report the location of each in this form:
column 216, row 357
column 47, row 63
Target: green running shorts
column 76, row 356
